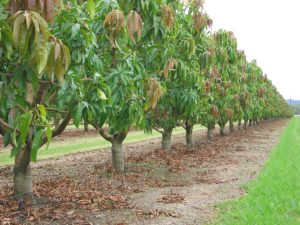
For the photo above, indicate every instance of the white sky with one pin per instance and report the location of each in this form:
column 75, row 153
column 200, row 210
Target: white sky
column 268, row 31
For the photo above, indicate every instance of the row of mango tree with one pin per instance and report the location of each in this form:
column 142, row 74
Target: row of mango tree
column 151, row 64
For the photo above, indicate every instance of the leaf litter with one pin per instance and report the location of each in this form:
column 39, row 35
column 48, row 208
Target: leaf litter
column 71, row 198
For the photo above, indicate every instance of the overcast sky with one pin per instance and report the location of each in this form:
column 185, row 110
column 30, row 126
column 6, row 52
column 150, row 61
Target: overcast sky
column 268, row 31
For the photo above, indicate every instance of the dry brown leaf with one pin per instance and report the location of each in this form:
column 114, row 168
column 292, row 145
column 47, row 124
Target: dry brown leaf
column 214, row 111
column 171, row 197
column 207, row 86
column 229, row 113
column 114, row 22
column 134, row 25
column 169, row 66
column 167, row 15
column 155, row 92
column 29, row 92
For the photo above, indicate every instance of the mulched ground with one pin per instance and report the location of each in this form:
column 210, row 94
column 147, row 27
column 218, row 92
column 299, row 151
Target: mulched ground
column 78, row 195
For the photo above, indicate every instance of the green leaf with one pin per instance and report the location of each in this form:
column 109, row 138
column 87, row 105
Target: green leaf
column 101, row 94
column 7, row 139
column 14, row 138
column 41, row 54
column 24, row 123
column 42, row 110
column 75, row 30
column 101, row 119
column 36, row 143
column 91, row 8
column 16, row 148
column 48, row 135
column 78, row 114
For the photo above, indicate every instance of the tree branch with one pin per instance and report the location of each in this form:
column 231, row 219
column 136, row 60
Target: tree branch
column 183, row 126
column 40, row 81
column 94, row 125
column 121, row 136
column 158, row 130
column 61, row 127
column 40, row 95
column 2, row 132
column 4, row 127
column 105, row 135
column 56, row 110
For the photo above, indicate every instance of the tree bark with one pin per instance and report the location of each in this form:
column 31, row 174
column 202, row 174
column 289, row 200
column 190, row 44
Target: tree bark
column 189, row 135
column 245, row 124
column 166, row 140
column 222, row 130
column 240, row 124
column 231, row 126
column 116, row 148
column 250, row 123
column 22, row 179
column 210, row 133
column 118, row 155
column 256, row 121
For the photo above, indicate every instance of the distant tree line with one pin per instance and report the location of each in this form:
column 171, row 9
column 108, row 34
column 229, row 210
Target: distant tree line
column 296, row 109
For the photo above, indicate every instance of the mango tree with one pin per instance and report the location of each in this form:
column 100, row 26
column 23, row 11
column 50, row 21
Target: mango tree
column 225, row 61
column 241, row 70
column 250, row 90
column 120, row 36
column 28, row 81
column 171, row 38
column 35, row 87
column 210, row 111
column 190, row 105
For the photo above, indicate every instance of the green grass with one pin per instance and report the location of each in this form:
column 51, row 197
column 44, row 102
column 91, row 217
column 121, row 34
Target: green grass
column 84, row 144
column 274, row 197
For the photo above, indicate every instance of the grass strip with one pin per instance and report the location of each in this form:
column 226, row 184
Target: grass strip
column 274, row 197
column 84, row 144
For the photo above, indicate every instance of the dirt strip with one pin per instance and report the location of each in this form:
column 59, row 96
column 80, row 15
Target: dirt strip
column 219, row 178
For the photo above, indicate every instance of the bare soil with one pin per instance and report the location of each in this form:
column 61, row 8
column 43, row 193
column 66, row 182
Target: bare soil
column 181, row 188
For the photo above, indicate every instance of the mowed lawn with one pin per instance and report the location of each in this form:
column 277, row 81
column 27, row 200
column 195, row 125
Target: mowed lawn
column 274, row 197
column 83, row 144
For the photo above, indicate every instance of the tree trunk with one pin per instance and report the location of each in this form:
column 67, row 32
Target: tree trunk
column 231, row 126
column 189, row 135
column 250, row 123
column 116, row 149
column 240, row 124
column 210, row 133
column 166, row 140
column 245, row 124
column 222, row 130
column 22, row 179
column 86, row 125
column 118, row 155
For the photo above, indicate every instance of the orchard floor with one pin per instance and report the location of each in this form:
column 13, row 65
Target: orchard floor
column 181, row 188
